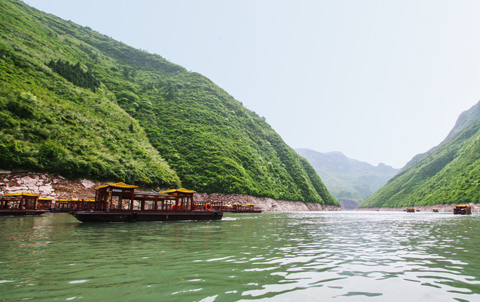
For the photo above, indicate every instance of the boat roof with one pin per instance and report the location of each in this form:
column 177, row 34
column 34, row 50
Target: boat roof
column 118, row 185
column 22, row 194
column 45, row 199
column 181, row 190
column 66, row 199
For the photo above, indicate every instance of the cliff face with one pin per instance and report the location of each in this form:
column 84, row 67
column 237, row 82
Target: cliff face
column 46, row 185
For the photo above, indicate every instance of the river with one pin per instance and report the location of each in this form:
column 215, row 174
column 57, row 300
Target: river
column 274, row 256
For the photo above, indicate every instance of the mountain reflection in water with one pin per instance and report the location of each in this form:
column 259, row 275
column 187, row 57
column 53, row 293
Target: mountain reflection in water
column 309, row 256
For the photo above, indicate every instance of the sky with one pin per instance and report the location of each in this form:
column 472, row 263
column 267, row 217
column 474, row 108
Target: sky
column 379, row 81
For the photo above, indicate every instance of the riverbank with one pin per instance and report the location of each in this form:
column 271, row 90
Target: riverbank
column 448, row 208
column 266, row 204
column 56, row 186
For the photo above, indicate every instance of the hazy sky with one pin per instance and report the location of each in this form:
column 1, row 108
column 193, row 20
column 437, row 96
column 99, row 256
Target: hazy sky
column 380, row 81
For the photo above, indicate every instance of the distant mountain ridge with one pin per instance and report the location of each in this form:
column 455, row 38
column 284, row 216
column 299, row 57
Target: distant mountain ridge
column 350, row 181
column 448, row 173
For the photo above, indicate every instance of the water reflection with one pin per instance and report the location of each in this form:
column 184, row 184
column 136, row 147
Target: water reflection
column 345, row 256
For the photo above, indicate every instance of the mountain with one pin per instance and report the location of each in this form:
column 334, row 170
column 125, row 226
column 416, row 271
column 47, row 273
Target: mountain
column 350, row 181
column 464, row 120
column 448, row 173
column 80, row 104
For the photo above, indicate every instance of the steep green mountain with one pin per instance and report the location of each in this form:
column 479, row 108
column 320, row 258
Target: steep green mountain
column 78, row 103
column 464, row 120
column 350, row 181
column 449, row 173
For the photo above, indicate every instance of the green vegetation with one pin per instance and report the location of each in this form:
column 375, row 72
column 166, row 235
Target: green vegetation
column 449, row 173
column 75, row 74
column 76, row 102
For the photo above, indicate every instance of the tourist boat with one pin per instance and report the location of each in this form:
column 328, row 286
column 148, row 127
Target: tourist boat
column 67, row 205
column 248, row 208
column 435, row 210
column 462, row 210
column 410, row 210
column 45, row 204
column 120, row 203
column 21, row 204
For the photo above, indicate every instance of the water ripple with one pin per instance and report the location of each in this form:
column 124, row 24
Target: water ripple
column 273, row 256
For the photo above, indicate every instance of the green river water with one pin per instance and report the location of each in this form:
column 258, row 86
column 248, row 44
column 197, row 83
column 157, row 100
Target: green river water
column 289, row 256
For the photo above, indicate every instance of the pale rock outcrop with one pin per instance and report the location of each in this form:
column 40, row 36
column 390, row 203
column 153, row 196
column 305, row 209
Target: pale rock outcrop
column 266, row 204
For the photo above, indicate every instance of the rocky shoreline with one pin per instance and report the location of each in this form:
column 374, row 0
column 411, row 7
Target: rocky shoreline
column 55, row 186
column 447, row 208
column 266, row 204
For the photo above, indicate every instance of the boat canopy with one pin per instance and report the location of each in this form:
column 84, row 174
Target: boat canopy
column 22, row 194
column 45, row 199
column 67, row 199
column 119, row 185
column 182, row 190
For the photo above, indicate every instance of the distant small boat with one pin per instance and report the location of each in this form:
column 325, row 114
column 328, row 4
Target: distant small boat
column 410, row 210
column 248, row 208
column 435, row 210
column 462, row 210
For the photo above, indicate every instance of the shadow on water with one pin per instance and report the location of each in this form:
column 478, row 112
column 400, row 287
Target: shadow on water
column 348, row 256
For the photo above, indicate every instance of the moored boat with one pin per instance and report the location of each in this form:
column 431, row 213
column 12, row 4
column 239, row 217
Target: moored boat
column 21, row 204
column 462, row 210
column 248, row 208
column 45, row 204
column 66, row 205
column 411, row 210
column 120, row 203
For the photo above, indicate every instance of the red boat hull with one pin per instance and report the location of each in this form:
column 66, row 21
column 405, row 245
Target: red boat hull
column 145, row 216
column 22, row 212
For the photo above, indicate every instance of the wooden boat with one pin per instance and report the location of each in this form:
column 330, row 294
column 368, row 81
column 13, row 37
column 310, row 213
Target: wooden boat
column 435, row 210
column 462, row 210
column 45, row 204
column 410, row 210
column 65, row 205
column 248, row 208
column 21, row 204
column 120, row 203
